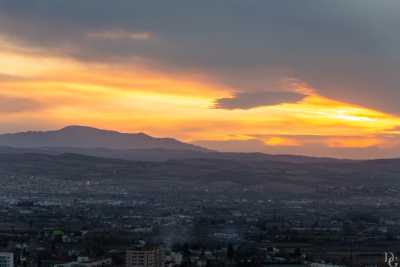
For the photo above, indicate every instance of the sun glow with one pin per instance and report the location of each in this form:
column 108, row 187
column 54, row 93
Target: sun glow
column 280, row 141
column 138, row 98
column 354, row 142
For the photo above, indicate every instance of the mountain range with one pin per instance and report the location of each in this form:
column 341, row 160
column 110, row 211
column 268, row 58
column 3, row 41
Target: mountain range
column 129, row 146
column 88, row 137
column 141, row 161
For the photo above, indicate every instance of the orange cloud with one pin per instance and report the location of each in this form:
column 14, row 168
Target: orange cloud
column 354, row 142
column 281, row 141
column 136, row 97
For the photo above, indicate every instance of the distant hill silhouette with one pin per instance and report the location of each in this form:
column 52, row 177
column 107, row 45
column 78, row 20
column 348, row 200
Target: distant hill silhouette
column 360, row 177
column 88, row 137
column 142, row 161
column 128, row 146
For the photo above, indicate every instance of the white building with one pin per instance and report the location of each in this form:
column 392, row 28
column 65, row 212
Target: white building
column 6, row 259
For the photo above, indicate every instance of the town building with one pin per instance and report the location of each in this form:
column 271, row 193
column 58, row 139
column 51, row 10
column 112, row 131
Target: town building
column 6, row 259
column 147, row 256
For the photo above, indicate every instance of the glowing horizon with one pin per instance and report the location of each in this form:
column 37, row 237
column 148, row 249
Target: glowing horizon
column 52, row 91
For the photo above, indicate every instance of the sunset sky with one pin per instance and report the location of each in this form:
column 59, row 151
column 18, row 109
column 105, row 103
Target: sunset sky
column 303, row 77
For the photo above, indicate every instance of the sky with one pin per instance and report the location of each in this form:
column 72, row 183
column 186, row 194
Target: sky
column 303, row 77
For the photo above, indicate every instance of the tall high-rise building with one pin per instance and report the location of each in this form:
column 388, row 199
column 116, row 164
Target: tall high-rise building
column 144, row 257
column 6, row 259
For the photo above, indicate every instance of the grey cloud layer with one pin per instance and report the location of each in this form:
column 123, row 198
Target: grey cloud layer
column 345, row 49
column 257, row 99
column 17, row 104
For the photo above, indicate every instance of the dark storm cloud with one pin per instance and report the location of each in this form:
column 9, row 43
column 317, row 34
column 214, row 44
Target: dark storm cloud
column 257, row 99
column 345, row 49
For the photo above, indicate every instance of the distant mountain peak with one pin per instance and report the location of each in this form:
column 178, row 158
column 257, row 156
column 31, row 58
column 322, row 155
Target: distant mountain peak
column 90, row 137
column 82, row 128
column 77, row 127
column 89, row 129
